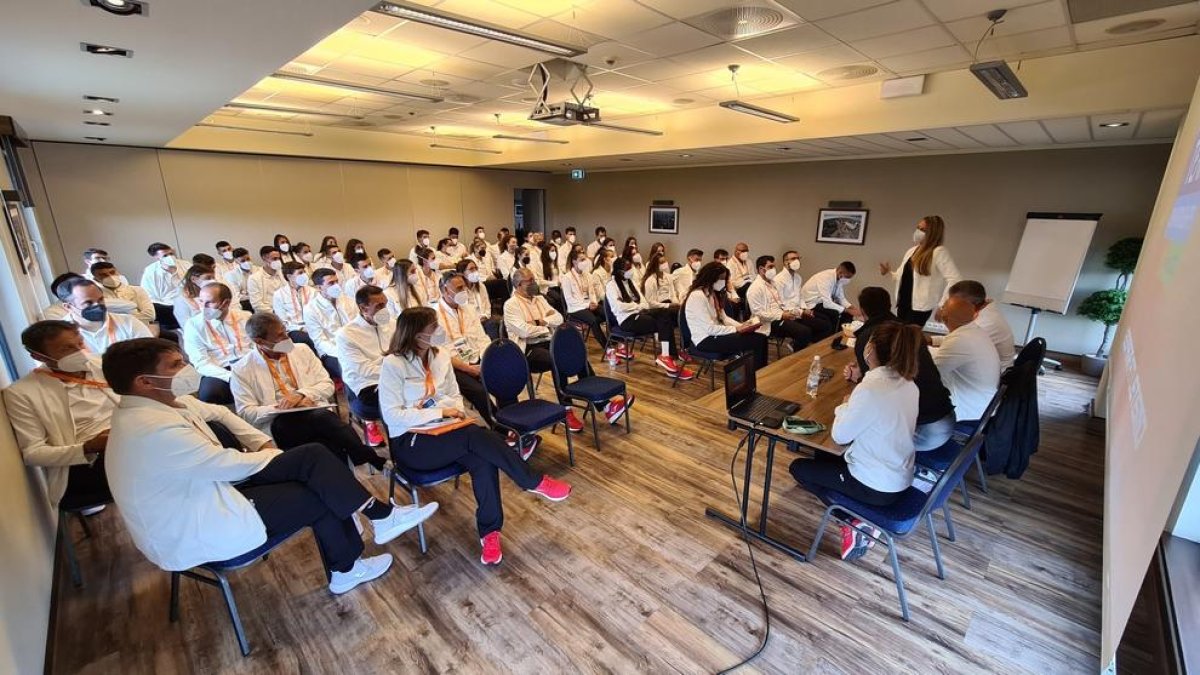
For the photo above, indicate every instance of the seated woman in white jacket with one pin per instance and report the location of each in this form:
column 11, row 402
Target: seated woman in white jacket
column 634, row 314
column 579, row 294
column 187, row 304
column 658, row 285
column 711, row 328
column 279, row 376
column 878, row 420
column 405, row 290
column 418, row 392
column 480, row 298
column 925, row 274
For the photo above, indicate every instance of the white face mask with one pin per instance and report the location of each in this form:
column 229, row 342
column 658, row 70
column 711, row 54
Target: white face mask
column 185, row 382
column 307, row 256
column 664, row 268
column 770, row 274
column 481, row 235
column 276, row 265
column 246, row 265
column 918, row 236
column 695, row 265
column 228, row 255
column 360, row 250
column 338, row 258
column 112, row 283
column 794, row 265
column 637, row 258
column 285, row 247
column 454, row 240
column 75, row 362
column 382, row 317
column 167, row 261
column 438, row 338
column 628, row 274
column 570, row 238
column 301, row 280
column 461, row 298
column 742, row 255
column 719, row 285
column 425, row 241
column 413, row 279
column 843, row 282
column 284, row 347
column 390, row 263
column 584, row 266
column 212, row 313
column 473, row 277
column 554, row 255
column 333, row 292
column 368, row 274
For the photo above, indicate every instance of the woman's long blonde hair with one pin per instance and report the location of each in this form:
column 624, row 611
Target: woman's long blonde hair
column 935, row 234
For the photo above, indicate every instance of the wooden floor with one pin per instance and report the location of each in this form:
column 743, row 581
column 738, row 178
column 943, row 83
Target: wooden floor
column 628, row 575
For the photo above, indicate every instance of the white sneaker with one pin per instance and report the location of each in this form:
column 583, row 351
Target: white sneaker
column 91, row 511
column 401, row 520
column 364, row 570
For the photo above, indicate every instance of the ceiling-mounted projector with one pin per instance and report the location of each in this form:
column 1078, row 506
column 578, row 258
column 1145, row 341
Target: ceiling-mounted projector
column 565, row 114
column 1000, row 79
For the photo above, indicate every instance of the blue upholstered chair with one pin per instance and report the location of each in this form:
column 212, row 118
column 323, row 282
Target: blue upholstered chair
column 505, row 372
column 64, row 535
column 412, row 480
column 568, row 353
column 707, row 360
column 616, row 334
column 939, row 459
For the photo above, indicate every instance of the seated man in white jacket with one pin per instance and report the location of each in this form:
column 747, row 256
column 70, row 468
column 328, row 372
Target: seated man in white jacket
column 789, row 283
column 530, row 320
column 325, row 315
column 766, row 303
column 238, row 276
column 967, row 361
column 174, row 483
column 988, row 318
column 825, row 294
column 289, row 302
column 279, row 376
column 361, row 346
column 214, row 340
column 100, row 328
column 262, row 284
column 120, row 296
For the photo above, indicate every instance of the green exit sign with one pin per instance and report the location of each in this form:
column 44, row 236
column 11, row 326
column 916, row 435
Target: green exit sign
column 578, row 174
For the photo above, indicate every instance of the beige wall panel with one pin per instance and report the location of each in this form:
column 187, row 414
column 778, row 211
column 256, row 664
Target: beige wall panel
column 303, row 199
column 215, row 197
column 377, row 205
column 437, row 198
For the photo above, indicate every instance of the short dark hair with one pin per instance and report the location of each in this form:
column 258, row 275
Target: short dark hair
column 442, row 242
column 59, row 280
column 223, row 291
column 791, row 251
column 874, row 301
column 204, row 259
column 452, row 231
column 421, row 232
column 600, row 229
column 969, row 290
column 156, row 247
column 355, row 259
column 763, row 260
column 265, row 251
column 449, row 276
column 383, row 253
column 570, row 229
column 719, row 253
column 36, row 335
column 292, row 266
column 67, row 288
column 321, row 275
column 127, row 360
column 362, row 295
column 695, row 251
column 848, row 266
column 89, row 252
column 222, row 244
column 555, row 233
column 260, row 323
column 100, row 267
column 239, row 252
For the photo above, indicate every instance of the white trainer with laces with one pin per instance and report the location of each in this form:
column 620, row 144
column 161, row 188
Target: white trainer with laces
column 364, row 570
column 401, row 520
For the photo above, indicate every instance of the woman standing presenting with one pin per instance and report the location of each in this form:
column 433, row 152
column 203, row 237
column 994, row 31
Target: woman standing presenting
column 925, row 273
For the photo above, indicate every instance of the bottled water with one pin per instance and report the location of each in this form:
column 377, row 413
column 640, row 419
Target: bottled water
column 814, row 376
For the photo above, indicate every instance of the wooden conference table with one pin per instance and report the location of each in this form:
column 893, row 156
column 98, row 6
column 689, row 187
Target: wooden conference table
column 786, row 379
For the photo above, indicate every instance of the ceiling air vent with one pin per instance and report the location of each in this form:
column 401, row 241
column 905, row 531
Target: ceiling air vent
column 735, row 23
column 1134, row 26
column 848, row 72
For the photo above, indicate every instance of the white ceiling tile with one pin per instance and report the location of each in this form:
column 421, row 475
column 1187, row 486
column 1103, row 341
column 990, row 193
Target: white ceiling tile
column 371, row 79
column 1027, row 133
column 367, row 67
column 927, row 144
column 622, row 56
column 564, row 34
column 489, row 12
column 1102, row 133
column 372, row 23
column 794, row 40
column 864, row 144
column 465, row 68
column 658, row 70
column 672, row 38
column 414, row 78
column 506, row 55
column 818, row 60
column 683, row 9
column 934, row 59
column 919, row 40
column 883, row 20
column 951, row 10
column 431, row 37
column 815, row 10
column 887, row 142
column 953, row 137
column 989, row 135
column 614, row 81
column 543, row 8
column 1011, row 46
column 717, row 56
column 614, row 19
column 1159, row 124
column 1020, row 20
column 1178, row 16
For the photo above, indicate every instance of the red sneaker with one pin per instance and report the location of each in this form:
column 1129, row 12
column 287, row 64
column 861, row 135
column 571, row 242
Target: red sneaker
column 624, row 352
column 668, row 364
column 554, row 490
column 491, row 555
column 686, row 374
column 531, row 444
column 574, row 424
column 615, row 410
column 374, row 434
column 685, row 357
column 854, row 545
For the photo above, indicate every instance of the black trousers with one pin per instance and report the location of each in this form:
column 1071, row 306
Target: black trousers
column 292, row 430
column 498, row 292
column 87, row 485
column 538, row 356
column 739, row 310
column 820, row 326
column 365, row 404
column 246, row 306
column 472, row 390
column 800, row 334
column 832, row 316
column 492, row 328
column 659, row 320
column 594, row 319
column 301, row 337
column 308, row 487
column 483, row 453
column 737, row 342
column 830, row 471
column 165, row 316
column 914, row 317
column 225, row 436
column 213, row 390
column 332, row 367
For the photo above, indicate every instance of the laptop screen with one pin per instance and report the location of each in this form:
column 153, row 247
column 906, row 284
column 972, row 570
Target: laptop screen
column 739, row 380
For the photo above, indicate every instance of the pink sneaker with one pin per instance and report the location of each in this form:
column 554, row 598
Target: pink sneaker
column 554, row 490
column 615, row 410
column 668, row 364
column 491, row 555
column 574, row 424
column 374, row 434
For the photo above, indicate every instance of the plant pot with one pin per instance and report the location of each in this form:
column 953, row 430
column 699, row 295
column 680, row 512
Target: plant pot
column 1093, row 365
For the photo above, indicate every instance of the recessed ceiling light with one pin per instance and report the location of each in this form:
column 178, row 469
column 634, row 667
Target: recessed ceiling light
column 105, row 50
column 916, row 139
column 685, row 155
column 785, row 148
column 100, row 99
column 100, row 139
column 96, row 111
column 432, row 82
column 1113, row 125
column 94, row 123
column 684, row 101
column 119, row 7
column 625, row 159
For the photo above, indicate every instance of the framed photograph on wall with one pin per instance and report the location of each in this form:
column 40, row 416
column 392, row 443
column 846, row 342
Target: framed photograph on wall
column 842, row 226
column 664, row 220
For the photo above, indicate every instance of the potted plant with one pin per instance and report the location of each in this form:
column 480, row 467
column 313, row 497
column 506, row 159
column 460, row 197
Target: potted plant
column 1105, row 306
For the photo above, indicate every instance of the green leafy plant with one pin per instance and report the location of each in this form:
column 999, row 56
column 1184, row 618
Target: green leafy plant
column 1106, row 306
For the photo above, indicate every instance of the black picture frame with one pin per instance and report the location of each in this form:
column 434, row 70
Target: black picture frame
column 664, row 220
column 842, row 226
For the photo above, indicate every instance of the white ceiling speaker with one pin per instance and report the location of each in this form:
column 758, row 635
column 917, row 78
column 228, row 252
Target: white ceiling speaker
column 855, row 72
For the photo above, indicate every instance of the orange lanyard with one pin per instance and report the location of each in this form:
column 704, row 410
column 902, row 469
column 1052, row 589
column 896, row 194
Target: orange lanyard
column 583, row 288
column 430, row 293
column 279, row 383
column 462, row 326
column 221, row 343
column 111, row 327
column 529, row 317
column 300, row 299
column 429, row 388
column 774, row 292
column 71, row 379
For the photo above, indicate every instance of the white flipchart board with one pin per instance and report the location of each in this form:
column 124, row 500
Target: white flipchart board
column 1049, row 259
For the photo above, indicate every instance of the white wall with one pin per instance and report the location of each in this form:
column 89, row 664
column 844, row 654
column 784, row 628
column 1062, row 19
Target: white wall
column 983, row 197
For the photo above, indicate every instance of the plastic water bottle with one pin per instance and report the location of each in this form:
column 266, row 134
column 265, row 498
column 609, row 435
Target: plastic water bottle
column 814, row 376
column 611, row 357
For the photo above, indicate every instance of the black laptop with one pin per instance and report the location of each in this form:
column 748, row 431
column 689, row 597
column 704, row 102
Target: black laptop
column 743, row 401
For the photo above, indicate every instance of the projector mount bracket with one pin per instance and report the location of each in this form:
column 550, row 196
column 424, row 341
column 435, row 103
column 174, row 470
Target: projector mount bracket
column 569, row 71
